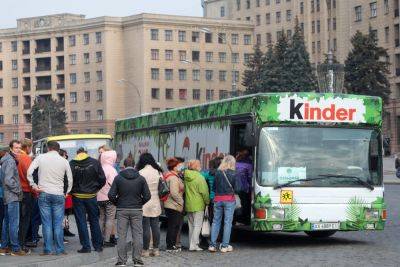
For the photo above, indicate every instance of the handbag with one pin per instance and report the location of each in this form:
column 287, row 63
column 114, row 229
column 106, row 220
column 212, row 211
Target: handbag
column 163, row 189
column 205, row 227
column 237, row 198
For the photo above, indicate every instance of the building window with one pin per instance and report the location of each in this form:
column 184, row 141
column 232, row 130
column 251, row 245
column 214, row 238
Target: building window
column 195, row 56
column 99, row 57
column 258, row 20
column 1, row 119
column 386, row 34
column 86, row 58
column 74, row 116
column 279, row 35
column 86, row 39
column 222, row 11
column 154, row 54
column 269, row 38
column 248, row 4
column 72, row 40
column 374, row 34
column 182, row 36
column 301, row 7
column 182, row 55
column 247, row 39
column 1, row 101
column 222, row 75
column 1, row 65
column 209, row 75
column 73, row 131
column 182, row 94
column 98, row 37
column 235, row 38
column 86, row 96
column 87, row 77
column 334, row 44
column 168, row 35
column 99, row 75
column 182, row 75
column 334, row 24
column 1, row 137
column 14, row 64
column 195, row 37
column 209, row 56
column 258, row 3
column 169, row 74
column 268, row 18
column 386, row 6
column 318, row 6
column 313, row 47
column 155, row 74
column 258, row 39
column 235, row 76
column 14, row 46
column 100, row 115
column 169, row 55
column 278, row 17
column 1, row 47
column 87, row 115
column 246, row 58
column 169, row 93
column 313, row 26
column 358, row 13
column 15, row 101
column 209, row 94
column 208, row 37
column 154, row 34
column 196, row 94
column 289, row 33
column 328, row 22
column 72, row 97
column 312, row 6
column 288, row 15
column 277, row 2
column 223, row 94
column 235, row 57
column 267, row 2
column 237, row 5
column 222, row 38
column 196, row 75
column 222, row 57
column 319, row 46
column 318, row 26
column 72, row 59
column 99, row 95
column 72, row 78
column 373, row 9
column 14, row 82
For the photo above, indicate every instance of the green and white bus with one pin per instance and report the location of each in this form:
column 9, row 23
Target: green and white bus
column 317, row 157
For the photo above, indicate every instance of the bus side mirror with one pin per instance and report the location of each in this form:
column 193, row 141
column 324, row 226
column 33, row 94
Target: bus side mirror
column 37, row 150
column 250, row 135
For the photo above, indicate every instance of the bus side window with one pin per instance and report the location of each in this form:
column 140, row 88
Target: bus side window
column 44, row 147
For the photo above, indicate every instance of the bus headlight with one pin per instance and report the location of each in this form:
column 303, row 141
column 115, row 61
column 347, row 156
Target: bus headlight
column 371, row 214
column 277, row 214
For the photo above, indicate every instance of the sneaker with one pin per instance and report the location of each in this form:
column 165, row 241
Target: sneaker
column 31, row 244
column 145, row 253
column 19, row 253
column 68, row 233
column 174, row 249
column 66, row 241
column 99, row 250
column 113, row 239
column 212, row 249
column 226, row 249
column 196, row 249
column 84, row 250
column 5, row 251
column 138, row 263
column 155, row 252
column 120, row 264
column 108, row 245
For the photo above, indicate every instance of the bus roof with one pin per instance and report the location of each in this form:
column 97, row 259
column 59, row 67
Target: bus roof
column 77, row 136
column 264, row 105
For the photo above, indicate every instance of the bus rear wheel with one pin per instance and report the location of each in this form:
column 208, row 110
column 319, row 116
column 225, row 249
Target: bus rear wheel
column 320, row 234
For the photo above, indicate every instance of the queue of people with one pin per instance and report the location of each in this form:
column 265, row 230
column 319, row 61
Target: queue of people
column 34, row 192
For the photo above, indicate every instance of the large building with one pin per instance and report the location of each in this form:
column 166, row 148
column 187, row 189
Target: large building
column 327, row 25
column 107, row 68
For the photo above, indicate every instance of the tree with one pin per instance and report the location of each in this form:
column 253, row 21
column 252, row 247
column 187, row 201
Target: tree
column 299, row 74
column 365, row 72
column 253, row 78
column 46, row 114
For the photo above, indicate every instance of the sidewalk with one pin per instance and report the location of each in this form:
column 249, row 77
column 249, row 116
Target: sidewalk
column 389, row 172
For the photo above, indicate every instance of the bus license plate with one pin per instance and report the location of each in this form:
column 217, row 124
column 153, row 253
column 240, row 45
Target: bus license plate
column 325, row 226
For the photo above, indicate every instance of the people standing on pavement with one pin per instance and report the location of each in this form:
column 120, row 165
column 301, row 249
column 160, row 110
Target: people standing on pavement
column 180, row 170
column 209, row 175
column 174, row 204
column 3, row 151
column 24, row 161
column 244, row 173
column 12, row 197
column 52, row 169
column 152, row 172
column 129, row 192
column 196, row 199
column 107, row 208
column 89, row 178
column 224, row 203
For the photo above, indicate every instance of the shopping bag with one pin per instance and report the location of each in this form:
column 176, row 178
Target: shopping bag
column 205, row 228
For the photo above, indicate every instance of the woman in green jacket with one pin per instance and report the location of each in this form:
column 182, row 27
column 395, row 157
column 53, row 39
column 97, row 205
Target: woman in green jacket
column 196, row 199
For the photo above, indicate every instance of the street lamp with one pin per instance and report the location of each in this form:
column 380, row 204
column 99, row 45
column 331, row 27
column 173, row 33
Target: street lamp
column 330, row 76
column 122, row 81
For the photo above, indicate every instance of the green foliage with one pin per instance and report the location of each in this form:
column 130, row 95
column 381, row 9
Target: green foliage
column 366, row 70
column 355, row 213
column 45, row 111
column 252, row 78
column 262, row 202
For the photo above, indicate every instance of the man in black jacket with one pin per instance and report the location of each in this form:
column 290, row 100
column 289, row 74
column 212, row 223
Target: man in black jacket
column 129, row 192
column 88, row 179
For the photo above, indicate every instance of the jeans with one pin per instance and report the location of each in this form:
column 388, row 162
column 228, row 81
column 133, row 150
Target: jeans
column 25, row 216
column 174, row 222
column 195, row 221
column 36, row 221
column 83, row 206
column 52, row 215
column 107, row 218
column 10, row 227
column 133, row 219
column 227, row 209
column 153, row 224
column 1, row 215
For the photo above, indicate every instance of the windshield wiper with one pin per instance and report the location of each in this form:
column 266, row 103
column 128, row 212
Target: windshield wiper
column 358, row 179
column 299, row 180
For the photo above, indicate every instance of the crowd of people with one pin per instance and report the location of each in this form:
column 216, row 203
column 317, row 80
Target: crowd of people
column 114, row 199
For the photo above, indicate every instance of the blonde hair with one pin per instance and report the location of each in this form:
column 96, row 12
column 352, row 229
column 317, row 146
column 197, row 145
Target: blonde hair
column 105, row 148
column 228, row 163
column 194, row 165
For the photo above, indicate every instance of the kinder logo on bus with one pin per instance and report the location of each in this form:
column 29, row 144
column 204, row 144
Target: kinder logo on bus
column 325, row 110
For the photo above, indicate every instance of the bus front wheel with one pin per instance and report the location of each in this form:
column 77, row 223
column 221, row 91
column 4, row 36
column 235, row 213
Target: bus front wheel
column 320, row 234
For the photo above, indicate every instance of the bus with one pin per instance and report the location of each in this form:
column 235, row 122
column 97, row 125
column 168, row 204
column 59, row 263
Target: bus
column 317, row 157
column 72, row 142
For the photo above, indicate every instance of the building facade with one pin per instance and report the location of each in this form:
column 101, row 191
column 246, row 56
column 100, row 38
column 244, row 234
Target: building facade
column 107, row 68
column 327, row 25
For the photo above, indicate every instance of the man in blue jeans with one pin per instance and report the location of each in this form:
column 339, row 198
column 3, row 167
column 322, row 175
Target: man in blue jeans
column 51, row 195
column 3, row 151
column 89, row 178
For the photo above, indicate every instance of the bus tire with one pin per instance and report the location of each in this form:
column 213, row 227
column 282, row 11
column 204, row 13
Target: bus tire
column 320, row 234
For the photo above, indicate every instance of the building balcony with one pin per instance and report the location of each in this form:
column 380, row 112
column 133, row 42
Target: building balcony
column 60, row 85
column 26, row 51
column 60, row 48
column 26, row 88
column 396, row 13
column 46, row 86
column 26, row 70
column 397, row 71
column 43, row 68
column 397, row 42
column 42, row 50
column 27, row 106
column 60, row 66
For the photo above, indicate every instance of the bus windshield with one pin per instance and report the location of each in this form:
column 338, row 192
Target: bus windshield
column 288, row 154
column 92, row 145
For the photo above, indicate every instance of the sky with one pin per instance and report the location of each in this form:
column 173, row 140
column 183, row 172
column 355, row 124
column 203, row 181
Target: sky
column 11, row 10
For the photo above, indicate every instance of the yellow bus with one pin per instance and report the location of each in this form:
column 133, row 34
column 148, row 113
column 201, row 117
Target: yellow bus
column 72, row 142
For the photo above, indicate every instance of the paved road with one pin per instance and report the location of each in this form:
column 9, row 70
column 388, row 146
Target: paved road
column 255, row 249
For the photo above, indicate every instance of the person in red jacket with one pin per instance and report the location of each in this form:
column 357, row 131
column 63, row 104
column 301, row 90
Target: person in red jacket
column 24, row 161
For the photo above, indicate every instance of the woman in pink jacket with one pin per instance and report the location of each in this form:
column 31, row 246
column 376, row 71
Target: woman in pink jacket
column 107, row 209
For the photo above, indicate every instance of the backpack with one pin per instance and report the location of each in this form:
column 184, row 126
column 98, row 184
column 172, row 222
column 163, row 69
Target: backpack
column 165, row 177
